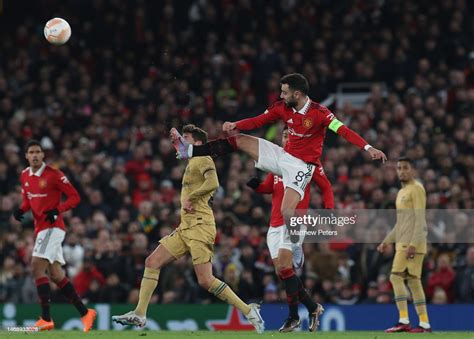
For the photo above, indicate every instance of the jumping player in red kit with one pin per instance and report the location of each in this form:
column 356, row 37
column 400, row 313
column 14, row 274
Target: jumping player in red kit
column 307, row 123
column 42, row 187
column 282, row 250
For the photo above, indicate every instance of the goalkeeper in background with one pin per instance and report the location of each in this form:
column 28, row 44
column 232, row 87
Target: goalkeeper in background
column 409, row 235
column 195, row 234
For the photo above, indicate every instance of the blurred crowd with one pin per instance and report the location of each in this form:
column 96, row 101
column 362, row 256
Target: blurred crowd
column 102, row 106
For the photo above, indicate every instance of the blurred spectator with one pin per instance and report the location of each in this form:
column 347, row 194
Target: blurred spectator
column 372, row 293
column 147, row 221
column 324, row 262
column 270, row 294
column 465, row 279
column 439, row 296
column 88, row 280
column 73, row 254
column 114, row 290
column 443, row 277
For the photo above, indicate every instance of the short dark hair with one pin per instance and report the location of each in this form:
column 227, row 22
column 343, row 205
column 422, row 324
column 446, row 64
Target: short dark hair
column 197, row 133
column 296, row 82
column 33, row 142
column 406, row 159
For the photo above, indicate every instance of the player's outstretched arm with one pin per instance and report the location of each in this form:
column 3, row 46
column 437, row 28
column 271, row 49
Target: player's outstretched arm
column 269, row 116
column 377, row 154
column 338, row 127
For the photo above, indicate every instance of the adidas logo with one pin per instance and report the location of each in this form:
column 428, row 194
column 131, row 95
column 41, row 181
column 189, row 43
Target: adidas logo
column 289, row 121
column 27, row 184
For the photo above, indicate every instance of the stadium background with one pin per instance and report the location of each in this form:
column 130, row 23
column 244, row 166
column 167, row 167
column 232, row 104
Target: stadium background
column 102, row 105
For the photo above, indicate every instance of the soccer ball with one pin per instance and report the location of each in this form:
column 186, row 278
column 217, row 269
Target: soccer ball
column 57, row 31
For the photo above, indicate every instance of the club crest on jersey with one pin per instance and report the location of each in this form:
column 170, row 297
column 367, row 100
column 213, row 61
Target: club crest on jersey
column 308, row 123
column 42, row 183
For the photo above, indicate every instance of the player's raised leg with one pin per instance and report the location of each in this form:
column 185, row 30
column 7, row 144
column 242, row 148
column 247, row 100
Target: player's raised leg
column 59, row 278
column 39, row 267
column 153, row 264
column 215, row 148
column 222, row 291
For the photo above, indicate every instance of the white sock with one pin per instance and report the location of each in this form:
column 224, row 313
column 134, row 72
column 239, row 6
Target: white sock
column 190, row 151
column 404, row 321
column 424, row 325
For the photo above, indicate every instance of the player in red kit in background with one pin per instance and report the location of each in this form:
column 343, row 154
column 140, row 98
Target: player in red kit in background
column 42, row 187
column 282, row 250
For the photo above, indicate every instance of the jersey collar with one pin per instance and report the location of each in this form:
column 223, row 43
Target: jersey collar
column 38, row 172
column 303, row 109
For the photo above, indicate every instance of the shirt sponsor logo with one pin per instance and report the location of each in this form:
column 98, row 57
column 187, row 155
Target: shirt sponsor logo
column 292, row 132
column 289, row 121
column 36, row 195
column 27, row 184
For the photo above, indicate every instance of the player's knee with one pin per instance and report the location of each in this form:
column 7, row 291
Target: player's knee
column 285, row 271
column 205, row 281
column 396, row 278
column 153, row 261
column 413, row 281
column 56, row 277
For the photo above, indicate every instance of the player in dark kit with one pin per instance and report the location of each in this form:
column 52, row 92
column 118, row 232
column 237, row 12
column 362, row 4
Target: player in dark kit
column 42, row 187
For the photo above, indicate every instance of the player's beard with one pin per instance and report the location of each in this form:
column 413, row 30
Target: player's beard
column 292, row 103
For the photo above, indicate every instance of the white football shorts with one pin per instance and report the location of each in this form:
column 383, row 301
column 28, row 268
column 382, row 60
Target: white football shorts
column 48, row 245
column 295, row 173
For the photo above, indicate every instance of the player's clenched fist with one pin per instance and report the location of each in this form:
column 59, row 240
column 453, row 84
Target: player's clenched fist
column 228, row 126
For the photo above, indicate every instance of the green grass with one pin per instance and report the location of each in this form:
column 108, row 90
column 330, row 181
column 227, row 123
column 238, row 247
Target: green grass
column 229, row 335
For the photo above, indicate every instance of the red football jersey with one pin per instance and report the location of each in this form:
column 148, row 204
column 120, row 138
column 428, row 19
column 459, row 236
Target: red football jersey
column 42, row 192
column 306, row 127
column 274, row 184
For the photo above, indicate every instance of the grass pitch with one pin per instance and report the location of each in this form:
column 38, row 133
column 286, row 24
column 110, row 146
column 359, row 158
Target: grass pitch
column 229, row 335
